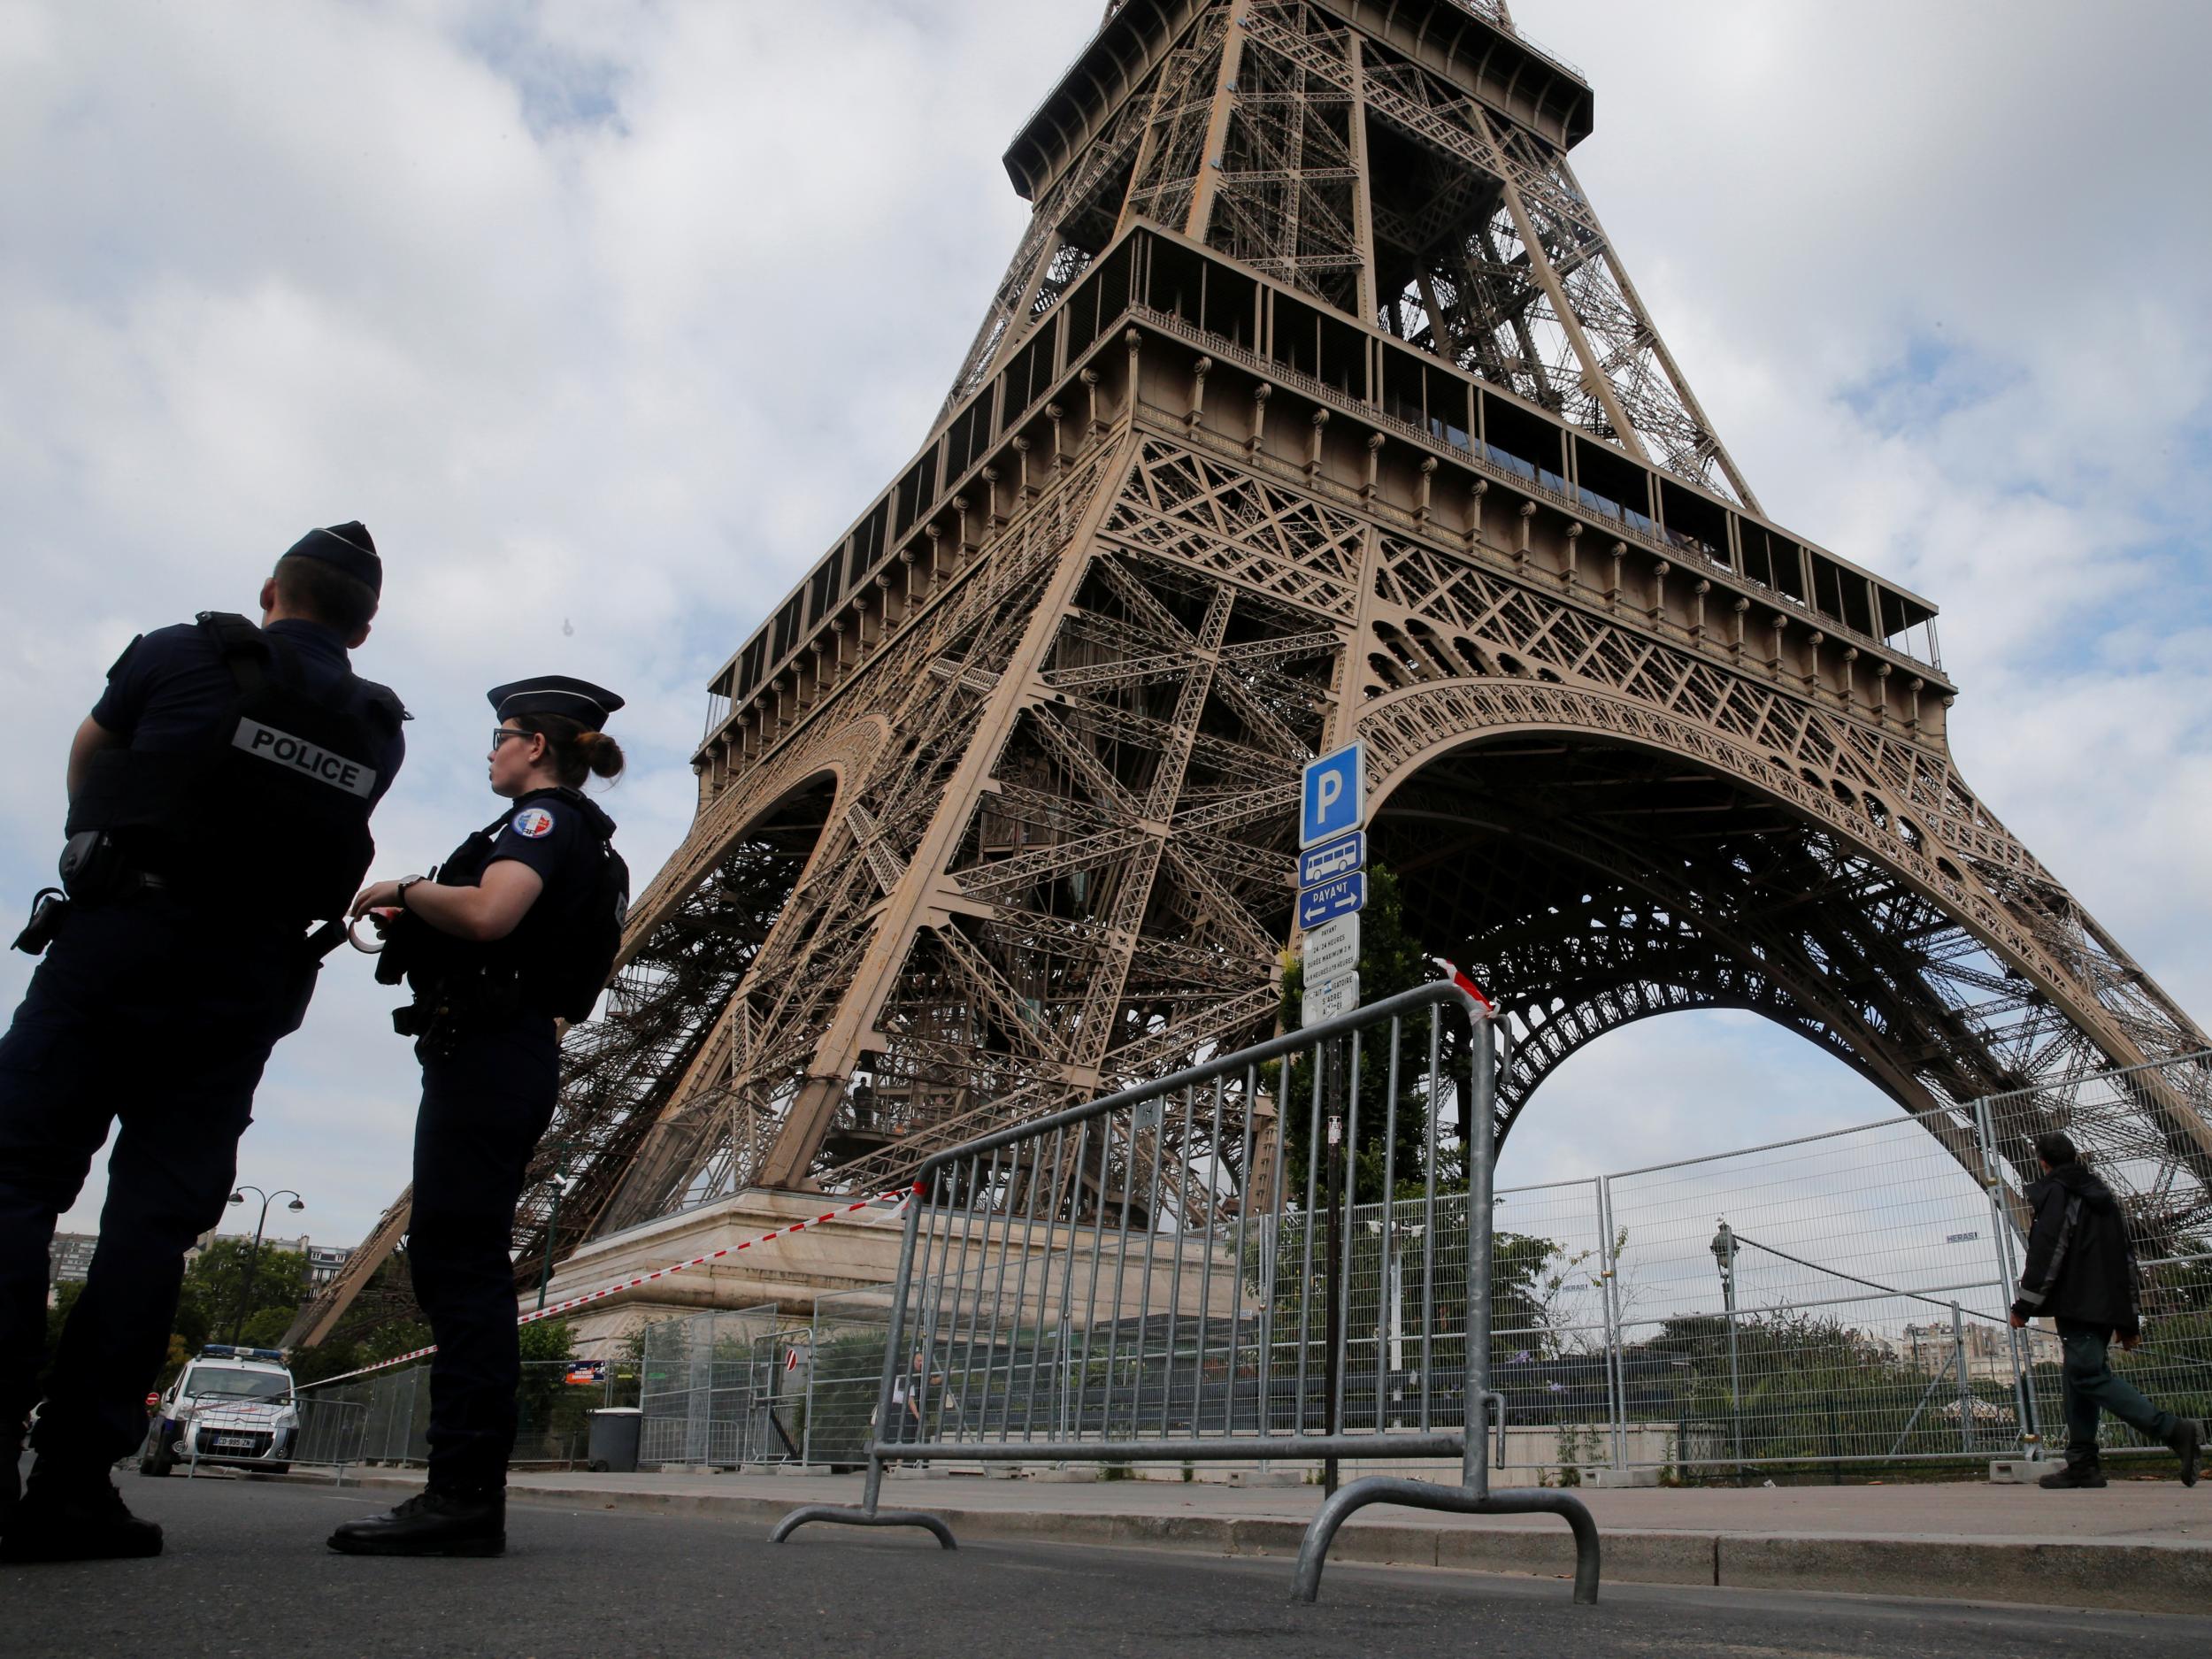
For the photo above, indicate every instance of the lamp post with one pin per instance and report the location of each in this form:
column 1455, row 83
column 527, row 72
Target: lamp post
column 562, row 1181
column 253, row 1262
column 1724, row 1248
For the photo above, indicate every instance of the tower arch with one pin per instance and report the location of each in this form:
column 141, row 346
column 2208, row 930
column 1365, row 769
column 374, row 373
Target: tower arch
column 1599, row 862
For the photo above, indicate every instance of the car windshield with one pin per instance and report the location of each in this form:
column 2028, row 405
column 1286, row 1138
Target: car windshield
column 238, row 1384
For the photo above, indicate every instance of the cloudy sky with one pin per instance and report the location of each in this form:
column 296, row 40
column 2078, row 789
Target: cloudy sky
column 606, row 318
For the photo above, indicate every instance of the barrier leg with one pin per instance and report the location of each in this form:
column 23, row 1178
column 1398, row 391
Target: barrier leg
column 866, row 1514
column 835, row 1515
column 1420, row 1494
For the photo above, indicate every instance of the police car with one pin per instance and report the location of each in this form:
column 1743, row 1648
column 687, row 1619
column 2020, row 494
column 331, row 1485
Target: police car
column 231, row 1406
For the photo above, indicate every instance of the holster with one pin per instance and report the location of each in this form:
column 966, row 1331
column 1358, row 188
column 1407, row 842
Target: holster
column 49, row 909
column 92, row 866
column 455, row 1005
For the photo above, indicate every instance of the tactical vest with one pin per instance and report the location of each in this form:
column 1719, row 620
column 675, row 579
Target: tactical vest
column 270, row 811
column 559, row 972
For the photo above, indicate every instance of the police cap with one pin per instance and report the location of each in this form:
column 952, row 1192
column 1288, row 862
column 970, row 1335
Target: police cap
column 348, row 547
column 587, row 705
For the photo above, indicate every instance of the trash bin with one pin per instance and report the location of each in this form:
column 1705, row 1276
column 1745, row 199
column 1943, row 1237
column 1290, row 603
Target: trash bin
column 613, row 1445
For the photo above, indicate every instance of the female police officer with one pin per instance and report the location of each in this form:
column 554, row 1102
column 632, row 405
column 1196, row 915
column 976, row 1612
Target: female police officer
column 519, row 926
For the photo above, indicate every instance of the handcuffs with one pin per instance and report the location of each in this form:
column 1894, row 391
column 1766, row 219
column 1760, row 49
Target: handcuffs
column 385, row 912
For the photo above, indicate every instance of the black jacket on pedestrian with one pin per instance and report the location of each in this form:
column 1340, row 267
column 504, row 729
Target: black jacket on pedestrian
column 2078, row 1265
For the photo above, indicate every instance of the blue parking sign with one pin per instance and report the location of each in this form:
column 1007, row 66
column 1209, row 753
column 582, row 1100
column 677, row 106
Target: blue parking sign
column 1333, row 799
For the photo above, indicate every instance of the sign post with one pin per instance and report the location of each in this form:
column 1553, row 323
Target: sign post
column 1332, row 892
column 1332, row 881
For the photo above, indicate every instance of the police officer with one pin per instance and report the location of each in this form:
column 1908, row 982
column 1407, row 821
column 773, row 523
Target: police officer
column 219, row 795
column 519, row 926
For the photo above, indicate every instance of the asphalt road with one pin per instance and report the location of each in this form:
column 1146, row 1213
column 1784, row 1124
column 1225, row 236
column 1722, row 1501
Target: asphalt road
column 245, row 1575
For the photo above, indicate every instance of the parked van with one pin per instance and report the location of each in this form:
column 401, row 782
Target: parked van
column 231, row 1406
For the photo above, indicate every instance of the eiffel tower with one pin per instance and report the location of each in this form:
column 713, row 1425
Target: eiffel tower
column 1315, row 404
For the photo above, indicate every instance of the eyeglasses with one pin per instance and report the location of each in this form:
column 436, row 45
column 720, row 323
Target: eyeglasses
column 501, row 733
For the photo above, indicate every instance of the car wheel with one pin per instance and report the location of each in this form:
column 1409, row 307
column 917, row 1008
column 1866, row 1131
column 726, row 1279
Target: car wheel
column 276, row 1469
column 157, row 1459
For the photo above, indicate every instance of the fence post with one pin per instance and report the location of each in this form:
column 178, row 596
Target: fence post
column 813, row 1369
column 698, row 1387
column 2023, row 1381
column 1608, row 1303
column 1958, row 1351
column 1481, row 1172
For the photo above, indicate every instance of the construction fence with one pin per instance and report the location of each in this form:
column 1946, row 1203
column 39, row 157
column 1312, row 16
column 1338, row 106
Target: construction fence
column 1838, row 1299
column 554, row 1403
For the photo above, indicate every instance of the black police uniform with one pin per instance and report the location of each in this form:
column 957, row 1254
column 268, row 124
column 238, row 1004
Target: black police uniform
column 179, row 966
column 483, row 1022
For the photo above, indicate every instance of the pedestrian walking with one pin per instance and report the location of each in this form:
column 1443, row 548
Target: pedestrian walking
column 219, row 795
column 518, row 927
column 2080, row 1274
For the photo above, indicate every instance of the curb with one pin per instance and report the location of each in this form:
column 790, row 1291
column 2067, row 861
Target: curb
column 2135, row 1577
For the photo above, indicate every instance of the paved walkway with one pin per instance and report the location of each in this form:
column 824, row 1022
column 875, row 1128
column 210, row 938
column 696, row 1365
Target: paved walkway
column 244, row 1572
column 2140, row 1545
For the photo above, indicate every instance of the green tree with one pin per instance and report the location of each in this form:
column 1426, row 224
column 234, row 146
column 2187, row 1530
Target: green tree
column 1392, row 959
column 550, row 1415
column 326, row 1359
column 66, row 1294
column 383, row 1322
column 217, row 1298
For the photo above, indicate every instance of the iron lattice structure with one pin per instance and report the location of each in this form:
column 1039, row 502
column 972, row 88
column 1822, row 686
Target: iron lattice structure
column 1315, row 403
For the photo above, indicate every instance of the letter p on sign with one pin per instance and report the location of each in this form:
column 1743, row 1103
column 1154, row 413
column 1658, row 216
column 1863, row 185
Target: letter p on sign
column 1334, row 800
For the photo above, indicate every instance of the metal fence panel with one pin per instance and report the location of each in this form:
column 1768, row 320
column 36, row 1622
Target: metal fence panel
column 710, row 1391
column 837, row 1410
column 2169, row 1228
column 1833, row 1297
column 331, row 1432
column 553, row 1414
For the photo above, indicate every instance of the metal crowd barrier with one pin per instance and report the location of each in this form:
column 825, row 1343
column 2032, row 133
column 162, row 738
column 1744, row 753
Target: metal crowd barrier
column 1164, row 1276
column 325, row 1432
column 331, row 1432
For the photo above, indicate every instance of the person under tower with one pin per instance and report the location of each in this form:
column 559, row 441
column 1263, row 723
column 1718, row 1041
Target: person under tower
column 519, row 928
column 2080, row 1273
column 219, row 795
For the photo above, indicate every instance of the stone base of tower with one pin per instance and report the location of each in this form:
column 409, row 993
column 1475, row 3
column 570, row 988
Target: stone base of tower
column 849, row 1252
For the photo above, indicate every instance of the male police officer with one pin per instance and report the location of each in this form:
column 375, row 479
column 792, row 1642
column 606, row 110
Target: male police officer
column 219, row 795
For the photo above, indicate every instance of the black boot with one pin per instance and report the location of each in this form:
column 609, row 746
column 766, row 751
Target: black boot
column 2185, row 1443
column 77, row 1517
column 431, row 1523
column 2080, row 1469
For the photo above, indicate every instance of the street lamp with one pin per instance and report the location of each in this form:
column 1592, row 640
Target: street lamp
column 1724, row 1247
column 253, row 1262
column 562, row 1181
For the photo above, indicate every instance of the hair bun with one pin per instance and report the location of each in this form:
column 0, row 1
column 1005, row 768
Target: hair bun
column 600, row 753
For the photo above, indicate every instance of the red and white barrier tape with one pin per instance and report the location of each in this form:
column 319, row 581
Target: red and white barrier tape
column 898, row 1194
column 1465, row 982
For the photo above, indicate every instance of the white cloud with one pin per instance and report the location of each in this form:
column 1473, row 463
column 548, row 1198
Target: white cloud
column 615, row 317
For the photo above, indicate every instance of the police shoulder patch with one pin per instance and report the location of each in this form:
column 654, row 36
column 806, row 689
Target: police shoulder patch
column 532, row 822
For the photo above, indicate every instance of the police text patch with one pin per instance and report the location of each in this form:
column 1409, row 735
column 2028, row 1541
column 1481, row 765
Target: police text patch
column 533, row 821
column 296, row 754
